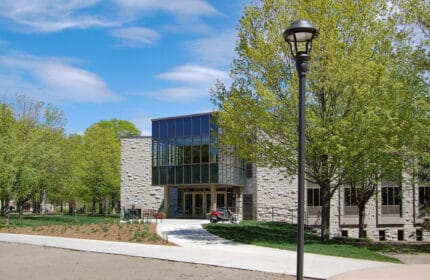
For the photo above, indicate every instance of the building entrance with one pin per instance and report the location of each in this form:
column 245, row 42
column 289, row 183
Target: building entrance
column 195, row 204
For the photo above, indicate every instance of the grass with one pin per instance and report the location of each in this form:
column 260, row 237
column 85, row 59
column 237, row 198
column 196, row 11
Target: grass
column 283, row 236
column 34, row 220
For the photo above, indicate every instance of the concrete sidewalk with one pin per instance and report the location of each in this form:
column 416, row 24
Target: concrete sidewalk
column 198, row 246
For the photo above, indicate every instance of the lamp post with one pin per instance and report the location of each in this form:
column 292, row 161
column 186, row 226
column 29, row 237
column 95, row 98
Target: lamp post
column 299, row 36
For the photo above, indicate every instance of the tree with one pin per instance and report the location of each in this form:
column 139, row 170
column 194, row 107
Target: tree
column 7, row 122
column 354, row 74
column 102, row 161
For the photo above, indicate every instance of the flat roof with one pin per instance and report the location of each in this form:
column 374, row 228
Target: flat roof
column 183, row 116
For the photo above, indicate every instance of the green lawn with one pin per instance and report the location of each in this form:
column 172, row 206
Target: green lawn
column 283, row 236
column 34, row 220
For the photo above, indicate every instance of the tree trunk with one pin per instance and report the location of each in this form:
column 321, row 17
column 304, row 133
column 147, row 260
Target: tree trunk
column 94, row 206
column 61, row 207
column 20, row 209
column 361, row 215
column 325, row 215
column 42, row 204
column 101, row 207
column 6, row 211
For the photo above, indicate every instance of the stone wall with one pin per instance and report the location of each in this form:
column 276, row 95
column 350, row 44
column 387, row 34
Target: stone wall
column 136, row 189
column 276, row 200
column 276, row 196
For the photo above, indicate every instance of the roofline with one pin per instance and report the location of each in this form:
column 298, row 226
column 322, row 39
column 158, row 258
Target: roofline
column 136, row 137
column 182, row 116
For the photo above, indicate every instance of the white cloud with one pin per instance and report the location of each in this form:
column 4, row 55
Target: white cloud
column 181, row 8
column 143, row 122
column 135, row 36
column 216, row 50
column 53, row 15
column 52, row 79
column 194, row 74
column 195, row 83
column 179, row 94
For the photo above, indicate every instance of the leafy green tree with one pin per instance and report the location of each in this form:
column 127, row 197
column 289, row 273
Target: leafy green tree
column 102, row 161
column 354, row 76
column 7, row 122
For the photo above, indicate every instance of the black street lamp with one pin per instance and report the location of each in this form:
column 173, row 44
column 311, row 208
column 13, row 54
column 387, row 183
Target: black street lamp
column 299, row 36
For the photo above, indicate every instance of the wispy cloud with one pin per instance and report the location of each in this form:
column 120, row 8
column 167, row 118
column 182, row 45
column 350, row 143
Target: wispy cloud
column 143, row 123
column 216, row 50
column 53, row 15
column 194, row 81
column 135, row 36
column 52, row 79
column 193, row 74
column 178, row 8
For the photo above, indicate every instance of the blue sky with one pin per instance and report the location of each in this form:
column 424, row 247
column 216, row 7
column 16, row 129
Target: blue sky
column 128, row 59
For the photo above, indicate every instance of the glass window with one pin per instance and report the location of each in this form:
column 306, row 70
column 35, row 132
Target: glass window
column 391, row 196
column 313, row 197
column 171, row 175
column 187, row 127
column 196, row 174
column 205, row 149
column 179, row 127
column 213, row 153
column 249, row 170
column 163, row 175
column 172, row 151
column 196, row 126
column 213, row 127
column 155, row 176
column 154, row 152
column 171, row 128
column 196, row 149
column 205, row 125
column 163, row 129
column 179, row 175
column 179, row 151
column 187, row 150
column 204, row 173
column 187, row 174
column 155, row 130
column 424, row 195
column 350, row 196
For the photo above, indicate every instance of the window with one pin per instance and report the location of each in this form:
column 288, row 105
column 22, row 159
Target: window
column 171, row 128
column 350, row 207
column 390, row 196
column 424, row 195
column 391, row 200
column 382, row 235
column 196, row 126
column 314, row 197
column 400, row 235
column 249, row 172
column 179, row 127
column 350, row 196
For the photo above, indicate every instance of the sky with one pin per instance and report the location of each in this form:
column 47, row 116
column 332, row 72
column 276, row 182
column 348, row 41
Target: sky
column 133, row 60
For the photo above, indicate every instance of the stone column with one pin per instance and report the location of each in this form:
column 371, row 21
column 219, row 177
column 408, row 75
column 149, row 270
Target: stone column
column 166, row 200
column 213, row 197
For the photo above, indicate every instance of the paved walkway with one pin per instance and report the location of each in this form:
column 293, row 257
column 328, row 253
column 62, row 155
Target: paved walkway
column 198, row 246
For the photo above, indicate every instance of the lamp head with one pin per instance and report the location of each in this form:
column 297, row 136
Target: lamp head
column 299, row 36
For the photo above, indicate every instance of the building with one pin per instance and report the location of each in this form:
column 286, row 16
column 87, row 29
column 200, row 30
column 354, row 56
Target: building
column 181, row 170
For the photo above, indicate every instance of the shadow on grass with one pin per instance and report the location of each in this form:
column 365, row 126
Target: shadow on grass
column 283, row 236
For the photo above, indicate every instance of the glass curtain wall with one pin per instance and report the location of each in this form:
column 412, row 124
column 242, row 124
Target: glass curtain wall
column 184, row 153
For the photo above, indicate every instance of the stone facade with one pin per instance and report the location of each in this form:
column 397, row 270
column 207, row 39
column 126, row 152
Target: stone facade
column 274, row 198
column 136, row 189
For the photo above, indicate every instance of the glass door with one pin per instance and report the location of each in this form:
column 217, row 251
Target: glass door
column 198, row 204
column 188, row 204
